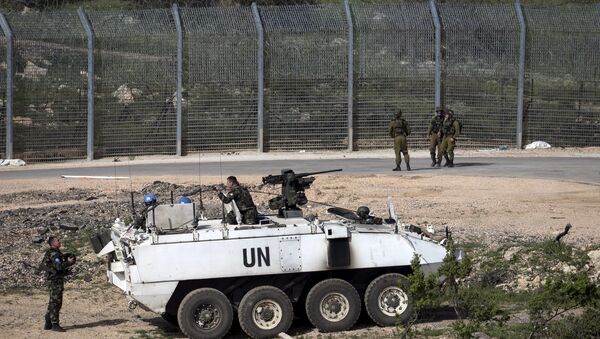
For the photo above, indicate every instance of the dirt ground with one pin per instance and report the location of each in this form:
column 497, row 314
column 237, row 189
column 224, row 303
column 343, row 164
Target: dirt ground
column 489, row 210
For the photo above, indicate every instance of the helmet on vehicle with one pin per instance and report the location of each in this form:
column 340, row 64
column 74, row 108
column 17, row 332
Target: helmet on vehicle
column 363, row 212
column 185, row 200
column 149, row 199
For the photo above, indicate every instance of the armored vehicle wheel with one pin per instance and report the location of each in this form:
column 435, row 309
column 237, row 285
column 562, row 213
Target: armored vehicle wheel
column 387, row 300
column 333, row 305
column 265, row 311
column 205, row 313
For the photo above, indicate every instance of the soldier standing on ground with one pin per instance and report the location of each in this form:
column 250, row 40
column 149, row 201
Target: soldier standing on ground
column 56, row 265
column 450, row 131
column 434, row 132
column 399, row 130
column 243, row 201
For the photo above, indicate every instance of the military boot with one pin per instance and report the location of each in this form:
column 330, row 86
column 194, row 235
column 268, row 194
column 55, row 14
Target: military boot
column 397, row 168
column 407, row 166
column 446, row 164
column 451, row 163
column 47, row 324
column 433, row 161
column 57, row 328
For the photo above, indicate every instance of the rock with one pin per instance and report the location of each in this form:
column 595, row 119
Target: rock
column 124, row 94
column 480, row 335
column 33, row 72
column 594, row 259
column 38, row 240
column 510, row 253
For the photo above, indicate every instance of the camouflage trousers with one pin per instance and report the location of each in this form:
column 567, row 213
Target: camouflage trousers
column 249, row 217
column 447, row 147
column 401, row 148
column 56, row 288
column 435, row 142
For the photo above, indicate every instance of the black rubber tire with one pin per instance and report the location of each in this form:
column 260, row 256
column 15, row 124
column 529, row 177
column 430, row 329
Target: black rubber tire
column 256, row 295
column 376, row 287
column 204, row 296
column 317, row 294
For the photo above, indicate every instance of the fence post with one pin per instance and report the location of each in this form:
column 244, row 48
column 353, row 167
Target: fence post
column 179, row 95
column 521, row 84
column 9, row 85
column 350, row 75
column 261, row 78
column 438, row 54
column 89, row 31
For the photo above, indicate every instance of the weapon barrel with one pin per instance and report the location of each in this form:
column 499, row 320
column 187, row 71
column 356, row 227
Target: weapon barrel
column 298, row 175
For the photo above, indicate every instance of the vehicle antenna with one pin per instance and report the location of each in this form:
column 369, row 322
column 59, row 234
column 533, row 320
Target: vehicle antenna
column 130, row 185
column 200, row 186
column 221, row 170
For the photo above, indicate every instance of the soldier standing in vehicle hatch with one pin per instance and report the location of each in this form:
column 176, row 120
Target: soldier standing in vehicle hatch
column 399, row 130
column 243, row 201
column 56, row 265
column 434, row 132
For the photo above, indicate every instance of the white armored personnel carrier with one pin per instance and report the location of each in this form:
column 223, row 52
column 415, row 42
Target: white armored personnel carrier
column 198, row 272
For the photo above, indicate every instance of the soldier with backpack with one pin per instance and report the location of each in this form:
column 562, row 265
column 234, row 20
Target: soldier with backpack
column 451, row 128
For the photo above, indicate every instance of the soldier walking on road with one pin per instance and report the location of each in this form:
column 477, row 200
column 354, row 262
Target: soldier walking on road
column 399, row 130
column 450, row 131
column 243, row 201
column 434, row 132
column 56, row 265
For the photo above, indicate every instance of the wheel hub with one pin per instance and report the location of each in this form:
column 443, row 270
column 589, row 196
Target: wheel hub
column 267, row 314
column 207, row 316
column 334, row 307
column 393, row 301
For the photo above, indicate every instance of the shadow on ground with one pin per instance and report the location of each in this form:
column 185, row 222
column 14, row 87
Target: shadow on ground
column 107, row 322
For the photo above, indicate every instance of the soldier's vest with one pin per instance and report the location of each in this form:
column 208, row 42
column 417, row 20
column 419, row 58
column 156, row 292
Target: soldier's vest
column 52, row 257
column 400, row 127
column 436, row 124
column 448, row 127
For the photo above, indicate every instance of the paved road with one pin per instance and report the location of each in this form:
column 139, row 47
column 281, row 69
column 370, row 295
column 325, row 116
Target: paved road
column 585, row 170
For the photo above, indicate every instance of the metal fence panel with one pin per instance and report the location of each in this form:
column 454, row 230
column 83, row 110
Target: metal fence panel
column 50, row 60
column 136, row 53
column 2, row 95
column 482, row 60
column 563, row 78
column 395, row 70
column 306, row 62
column 221, row 84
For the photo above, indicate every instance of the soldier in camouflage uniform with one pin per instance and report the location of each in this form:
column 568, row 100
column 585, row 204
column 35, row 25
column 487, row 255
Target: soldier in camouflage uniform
column 434, row 132
column 243, row 201
column 56, row 264
column 399, row 130
column 450, row 131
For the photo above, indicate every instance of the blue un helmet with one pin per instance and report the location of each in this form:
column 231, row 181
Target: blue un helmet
column 149, row 199
column 185, row 200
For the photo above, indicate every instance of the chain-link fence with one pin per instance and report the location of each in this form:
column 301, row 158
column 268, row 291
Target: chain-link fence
column 2, row 95
column 307, row 60
column 49, row 109
column 221, row 78
column 304, row 57
column 482, row 67
column 136, row 82
column 395, row 70
column 563, row 82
